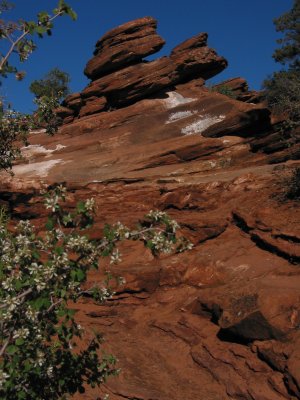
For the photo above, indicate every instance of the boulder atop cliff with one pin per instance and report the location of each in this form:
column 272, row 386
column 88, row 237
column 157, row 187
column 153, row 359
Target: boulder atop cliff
column 127, row 44
column 120, row 75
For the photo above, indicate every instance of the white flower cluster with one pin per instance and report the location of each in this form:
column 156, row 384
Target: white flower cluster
column 43, row 275
column 161, row 244
column 51, row 203
column 3, row 378
column 115, row 258
column 40, row 359
column 160, row 216
column 77, row 243
column 11, row 304
column 21, row 333
column 105, row 294
column 156, row 215
column 25, row 227
column 90, row 205
column 53, row 198
column 121, row 231
column 31, row 314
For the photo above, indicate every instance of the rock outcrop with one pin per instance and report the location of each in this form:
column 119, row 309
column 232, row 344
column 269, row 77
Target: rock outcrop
column 125, row 45
column 120, row 75
column 219, row 322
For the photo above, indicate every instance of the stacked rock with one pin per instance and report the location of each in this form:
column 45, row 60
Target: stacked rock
column 120, row 76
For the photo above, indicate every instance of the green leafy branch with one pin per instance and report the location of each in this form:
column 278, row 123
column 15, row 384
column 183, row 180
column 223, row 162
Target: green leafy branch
column 20, row 43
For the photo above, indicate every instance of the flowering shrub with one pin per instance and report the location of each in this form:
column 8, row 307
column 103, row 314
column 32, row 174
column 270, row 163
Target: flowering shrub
column 13, row 126
column 41, row 276
column 17, row 38
column 45, row 114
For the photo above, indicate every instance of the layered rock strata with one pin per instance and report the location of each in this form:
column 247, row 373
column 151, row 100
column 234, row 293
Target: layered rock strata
column 219, row 322
column 121, row 76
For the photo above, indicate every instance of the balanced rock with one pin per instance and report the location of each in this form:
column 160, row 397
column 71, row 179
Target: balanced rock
column 120, row 76
column 128, row 43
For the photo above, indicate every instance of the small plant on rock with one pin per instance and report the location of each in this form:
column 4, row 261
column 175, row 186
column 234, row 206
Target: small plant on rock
column 225, row 90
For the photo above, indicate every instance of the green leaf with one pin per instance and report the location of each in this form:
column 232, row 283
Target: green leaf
column 67, row 219
column 49, row 224
column 80, row 207
column 61, row 382
column 150, row 244
column 40, row 30
column 78, row 275
column 31, row 26
column 19, row 342
column 59, row 250
column 22, row 395
column 35, row 254
column 72, row 14
column 11, row 349
column 27, row 366
column 41, row 303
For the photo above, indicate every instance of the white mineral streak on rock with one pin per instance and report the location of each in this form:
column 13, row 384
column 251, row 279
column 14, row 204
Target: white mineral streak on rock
column 176, row 99
column 201, row 124
column 180, row 115
column 40, row 169
column 37, row 131
column 34, row 150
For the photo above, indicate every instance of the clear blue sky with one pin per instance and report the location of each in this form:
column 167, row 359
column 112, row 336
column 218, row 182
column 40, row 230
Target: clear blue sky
column 240, row 30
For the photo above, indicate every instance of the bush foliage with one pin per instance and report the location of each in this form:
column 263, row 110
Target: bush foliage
column 17, row 37
column 42, row 275
column 282, row 89
column 44, row 352
column 54, row 85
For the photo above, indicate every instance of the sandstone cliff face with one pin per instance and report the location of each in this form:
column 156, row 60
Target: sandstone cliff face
column 222, row 320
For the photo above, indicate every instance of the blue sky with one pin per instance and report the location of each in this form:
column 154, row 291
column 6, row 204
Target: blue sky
column 240, row 30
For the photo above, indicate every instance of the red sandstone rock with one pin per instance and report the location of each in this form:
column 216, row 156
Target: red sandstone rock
column 122, row 83
column 193, row 60
column 141, row 80
column 236, row 85
column 94, row 106
column 219, row 322
column 199, row 40
column 64, row 112
column 129, row 43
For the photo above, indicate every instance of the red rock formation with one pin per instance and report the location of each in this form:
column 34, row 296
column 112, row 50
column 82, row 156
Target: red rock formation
column 218, row 322
column 124, row 45
column 121, row 77
column 238, row 88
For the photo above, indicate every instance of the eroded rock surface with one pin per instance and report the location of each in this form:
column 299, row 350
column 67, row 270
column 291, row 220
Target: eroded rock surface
column 127, row 44
column 220, row 321
column 120, row 75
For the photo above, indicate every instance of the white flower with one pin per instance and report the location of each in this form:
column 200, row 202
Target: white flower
column 40, row 358
column 115, row 257
column 21, row 333
column 89, row 204
column 31, row 314
column 3, row 378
